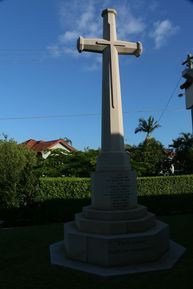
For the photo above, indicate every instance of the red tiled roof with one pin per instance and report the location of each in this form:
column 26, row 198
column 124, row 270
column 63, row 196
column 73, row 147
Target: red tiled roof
column 169, row 153
column 40, row 146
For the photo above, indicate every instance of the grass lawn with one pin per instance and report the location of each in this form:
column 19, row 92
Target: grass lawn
column 24, row 262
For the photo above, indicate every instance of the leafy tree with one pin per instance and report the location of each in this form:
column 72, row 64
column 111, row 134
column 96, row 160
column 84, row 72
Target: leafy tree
column 81, row 164
column 147, row 126
column 147, row 158
column 76, row 164
column 53, row 165
column 183, row 148
column 18, row 179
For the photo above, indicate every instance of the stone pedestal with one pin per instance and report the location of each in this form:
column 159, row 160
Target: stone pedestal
column 118, row 242
column 115, row 235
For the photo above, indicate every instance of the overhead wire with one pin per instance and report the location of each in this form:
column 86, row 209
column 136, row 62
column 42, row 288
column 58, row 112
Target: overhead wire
column 169, row 100
column 70, row 115
column 34, row 59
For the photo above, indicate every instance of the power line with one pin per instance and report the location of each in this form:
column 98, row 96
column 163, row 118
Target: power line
column 22, row 49
column 169, row 100
column 48, row 116
column 72, row 115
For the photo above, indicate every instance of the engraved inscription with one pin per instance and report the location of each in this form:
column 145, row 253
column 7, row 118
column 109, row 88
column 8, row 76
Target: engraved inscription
column 118, row 189
column 125, row 246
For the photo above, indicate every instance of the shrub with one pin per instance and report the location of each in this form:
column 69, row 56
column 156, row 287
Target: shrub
column 78, row 188
column 18, row 181
column 166, row 185
column 64, row 188
column 60, row 198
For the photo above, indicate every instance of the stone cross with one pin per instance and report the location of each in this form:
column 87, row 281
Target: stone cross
column 114, row 235
column 110, row 47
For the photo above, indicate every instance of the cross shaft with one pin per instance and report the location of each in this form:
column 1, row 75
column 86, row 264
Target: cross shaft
column 110, row 47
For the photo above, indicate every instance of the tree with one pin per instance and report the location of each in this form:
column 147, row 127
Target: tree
column 147, row 126
column 81, row 164
column 147, row 158
column 183, row 148
column 18, row 179
column 72, row 164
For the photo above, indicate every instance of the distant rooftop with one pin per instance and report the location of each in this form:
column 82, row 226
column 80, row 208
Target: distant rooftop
column 41, row 145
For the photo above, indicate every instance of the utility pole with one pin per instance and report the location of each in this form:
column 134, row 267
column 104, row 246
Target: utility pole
column 187, row 73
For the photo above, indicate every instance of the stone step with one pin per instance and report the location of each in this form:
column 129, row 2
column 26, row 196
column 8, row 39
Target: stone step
column 114, row 227
column 115, row 215
column 118, row 249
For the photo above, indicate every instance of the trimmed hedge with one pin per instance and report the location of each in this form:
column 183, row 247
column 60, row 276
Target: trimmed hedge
column 61, row 198
column 167, row 185
column 80, row 188
column 64, row 188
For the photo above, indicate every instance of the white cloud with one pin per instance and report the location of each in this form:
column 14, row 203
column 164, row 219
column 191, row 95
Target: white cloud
column 79, row 17
column 127, row 23
column 69, row 50
column 86, row 17
column 95, row 64
column 135, row 26
column 162, row 31
column 68, row 36
column 54, row 50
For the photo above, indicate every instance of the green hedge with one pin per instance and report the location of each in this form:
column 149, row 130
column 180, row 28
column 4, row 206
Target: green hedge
column 61, row 198
column 167, row 185
column 64, row 188
column 80, row 188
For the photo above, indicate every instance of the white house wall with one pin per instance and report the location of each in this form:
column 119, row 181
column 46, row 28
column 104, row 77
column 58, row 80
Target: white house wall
column 45, row 154
column 189, row 97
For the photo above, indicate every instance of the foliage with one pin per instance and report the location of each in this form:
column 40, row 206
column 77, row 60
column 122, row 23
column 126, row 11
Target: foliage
column 147, row 126
column 73, row 188
column 73, row 164
column 18, row 181
column 64, row 188
column 52, row 166
column 183, row 148
column 165, row 185
column 61, row 198
column 148, row 157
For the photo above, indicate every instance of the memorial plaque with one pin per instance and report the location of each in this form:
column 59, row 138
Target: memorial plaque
column 124, row 246
column 113, row 190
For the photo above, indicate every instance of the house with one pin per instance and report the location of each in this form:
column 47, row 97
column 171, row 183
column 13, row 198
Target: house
column 44, row 147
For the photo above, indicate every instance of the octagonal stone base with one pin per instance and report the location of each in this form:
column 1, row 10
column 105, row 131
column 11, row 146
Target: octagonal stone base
column 167, row 261
column 116, row 249
column 116, row 254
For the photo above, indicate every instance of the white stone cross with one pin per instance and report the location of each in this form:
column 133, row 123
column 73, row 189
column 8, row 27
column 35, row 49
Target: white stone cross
column 110, row 47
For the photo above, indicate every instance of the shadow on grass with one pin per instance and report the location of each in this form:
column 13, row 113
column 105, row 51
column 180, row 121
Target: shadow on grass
column 168, row 204
column 60, row 210
column 50, row 211
column 25, row 264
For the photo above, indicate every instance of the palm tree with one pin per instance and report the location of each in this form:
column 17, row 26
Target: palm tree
column 184, row 142
column 147, row 126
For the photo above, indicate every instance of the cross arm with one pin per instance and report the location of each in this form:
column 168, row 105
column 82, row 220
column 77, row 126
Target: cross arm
column 89, row 44
column 124, row 47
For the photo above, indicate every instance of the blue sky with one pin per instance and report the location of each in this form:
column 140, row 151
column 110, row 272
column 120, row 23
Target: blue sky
column 48, row 90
